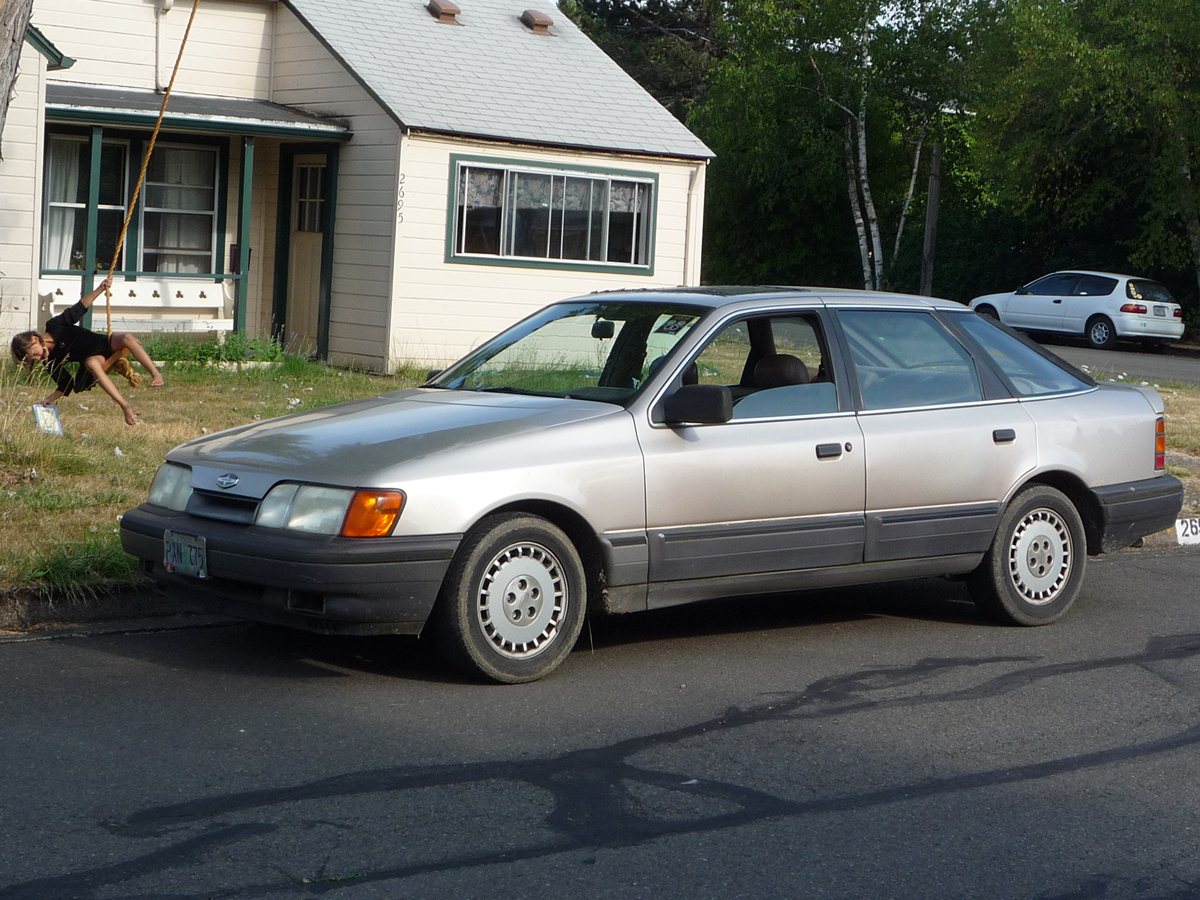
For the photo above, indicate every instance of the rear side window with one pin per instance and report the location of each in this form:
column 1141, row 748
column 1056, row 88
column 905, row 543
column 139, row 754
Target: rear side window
column 907, row 359
column 1030, row 373
column 1151, row 291
column 1094, row 286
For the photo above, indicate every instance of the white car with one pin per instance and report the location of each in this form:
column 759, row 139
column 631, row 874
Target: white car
column 1100, row 306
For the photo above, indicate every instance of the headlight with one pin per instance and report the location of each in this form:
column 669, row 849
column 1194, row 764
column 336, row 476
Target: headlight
column 172, row 486
column 326, row 510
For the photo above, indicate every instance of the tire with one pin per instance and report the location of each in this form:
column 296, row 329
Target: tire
column 514, row 600
column 1034, row 569
column 1101, row 333
column 989, row 311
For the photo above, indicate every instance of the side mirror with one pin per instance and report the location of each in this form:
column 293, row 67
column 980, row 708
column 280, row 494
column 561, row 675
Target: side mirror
column 603, row 329
column 433, row 373
column 698, row 404
column 1021, row 291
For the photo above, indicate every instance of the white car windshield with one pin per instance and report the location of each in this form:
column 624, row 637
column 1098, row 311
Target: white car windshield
column 591, row 350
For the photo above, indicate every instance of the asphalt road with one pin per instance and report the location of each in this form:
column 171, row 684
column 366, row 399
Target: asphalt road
column 865, row 743
column 1131, row 364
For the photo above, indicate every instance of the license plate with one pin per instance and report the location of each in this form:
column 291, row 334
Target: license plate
column 1188, row 531
column 185, row 554
column 1160, row 310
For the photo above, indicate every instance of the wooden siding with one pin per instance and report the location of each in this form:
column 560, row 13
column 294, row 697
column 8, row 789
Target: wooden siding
column 121, row 44
column 307, row 76
column 20, row 197
column 442, row 309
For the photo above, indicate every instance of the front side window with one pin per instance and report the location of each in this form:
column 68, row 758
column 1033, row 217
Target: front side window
column 1059, row 284
column 179, row 211
column 559, row 216
column 68, row 183
column 907, row 359
column 591, row 350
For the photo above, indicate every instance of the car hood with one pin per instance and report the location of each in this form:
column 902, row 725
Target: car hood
column 352, row 443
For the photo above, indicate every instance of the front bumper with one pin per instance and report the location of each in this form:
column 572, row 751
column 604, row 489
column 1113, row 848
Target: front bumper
column 311, row 582
column 1138, row 508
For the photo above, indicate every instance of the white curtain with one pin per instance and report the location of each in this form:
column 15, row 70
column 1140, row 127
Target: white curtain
column 62, row 186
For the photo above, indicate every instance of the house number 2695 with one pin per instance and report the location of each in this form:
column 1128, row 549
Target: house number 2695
column 400, row 200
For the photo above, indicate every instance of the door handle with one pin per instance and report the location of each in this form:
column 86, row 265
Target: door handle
column 1058, row 299
column 829, row 451
column 1004, row 435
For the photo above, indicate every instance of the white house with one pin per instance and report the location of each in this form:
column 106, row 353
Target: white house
column 376, row 182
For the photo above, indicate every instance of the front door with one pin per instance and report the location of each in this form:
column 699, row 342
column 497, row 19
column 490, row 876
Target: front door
column 305, row 252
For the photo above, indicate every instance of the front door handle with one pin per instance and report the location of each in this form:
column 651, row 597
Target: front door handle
column 1058, row 299
column 829, row 451
column 1004, row 435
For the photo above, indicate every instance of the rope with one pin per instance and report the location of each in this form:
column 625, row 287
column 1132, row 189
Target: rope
column 137, row 190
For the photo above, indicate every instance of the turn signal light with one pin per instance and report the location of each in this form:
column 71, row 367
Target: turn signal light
column 1160, row 444
column 372, row 514
column 1134, row 308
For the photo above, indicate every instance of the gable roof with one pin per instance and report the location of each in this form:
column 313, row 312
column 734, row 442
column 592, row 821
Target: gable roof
column 490, row 76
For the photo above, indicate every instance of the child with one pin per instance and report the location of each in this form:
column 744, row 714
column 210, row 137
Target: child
column 65, row 341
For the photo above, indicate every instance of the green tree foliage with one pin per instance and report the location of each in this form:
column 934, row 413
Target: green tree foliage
column 1090, row 123
column 667, row 46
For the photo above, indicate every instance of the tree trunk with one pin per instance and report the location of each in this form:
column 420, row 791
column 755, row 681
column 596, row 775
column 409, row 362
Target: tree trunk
column 931, row 219
column 14, row 19
column 864, row 183
column 852, row 182
column 912, row 187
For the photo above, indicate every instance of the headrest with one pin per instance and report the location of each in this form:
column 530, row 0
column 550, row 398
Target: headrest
column 778, row 370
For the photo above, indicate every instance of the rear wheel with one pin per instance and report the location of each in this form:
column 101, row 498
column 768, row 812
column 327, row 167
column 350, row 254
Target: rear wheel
column 1034, row 568
column 1100, row 333
column 514, row 600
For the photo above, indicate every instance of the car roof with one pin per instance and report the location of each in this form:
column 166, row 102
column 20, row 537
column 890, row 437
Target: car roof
column 718, row 296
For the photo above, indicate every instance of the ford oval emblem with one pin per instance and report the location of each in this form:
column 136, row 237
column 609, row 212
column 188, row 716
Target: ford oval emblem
column 227, row 480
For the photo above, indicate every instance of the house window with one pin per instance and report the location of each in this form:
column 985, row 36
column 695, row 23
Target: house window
column 179, row 213
column 68, row 180
column 310, row 197
column 563, row 216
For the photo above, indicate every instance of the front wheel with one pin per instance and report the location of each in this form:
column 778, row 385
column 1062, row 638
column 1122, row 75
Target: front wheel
column 1101, row 333
column 989, row 311
column 514, row 600
column 1034, row 569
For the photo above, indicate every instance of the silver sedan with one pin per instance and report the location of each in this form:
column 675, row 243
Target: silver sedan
column 631, row 450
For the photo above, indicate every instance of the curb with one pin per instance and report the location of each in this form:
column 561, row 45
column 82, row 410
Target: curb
column 30, row 609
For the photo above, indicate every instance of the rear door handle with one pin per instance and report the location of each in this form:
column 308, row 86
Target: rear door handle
column 829, row 451
column 1004, row 435
column 1058, row 299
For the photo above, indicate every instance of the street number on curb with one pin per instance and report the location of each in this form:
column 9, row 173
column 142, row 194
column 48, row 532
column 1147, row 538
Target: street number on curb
column 1187, row 531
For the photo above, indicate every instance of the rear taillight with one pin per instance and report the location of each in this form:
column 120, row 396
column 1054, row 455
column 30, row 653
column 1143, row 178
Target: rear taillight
column 1160, row 444
column 1134, row 308
column 1178, row 313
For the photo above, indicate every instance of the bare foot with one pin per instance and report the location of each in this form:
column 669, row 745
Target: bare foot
column 130, row 416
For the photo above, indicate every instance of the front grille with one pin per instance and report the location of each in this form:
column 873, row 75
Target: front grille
column 223, row 507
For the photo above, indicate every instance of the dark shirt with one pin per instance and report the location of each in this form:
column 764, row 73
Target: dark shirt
column 73, row 343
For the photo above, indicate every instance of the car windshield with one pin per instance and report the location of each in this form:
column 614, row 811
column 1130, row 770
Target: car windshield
column 591, row 350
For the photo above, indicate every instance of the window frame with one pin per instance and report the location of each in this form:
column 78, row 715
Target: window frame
column 136, row 140
column 214, row 214
column 84, row 140
column 648, row 226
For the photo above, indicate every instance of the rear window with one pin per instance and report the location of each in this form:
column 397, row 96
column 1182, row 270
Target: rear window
column 1150, row 291
column 1030, row 373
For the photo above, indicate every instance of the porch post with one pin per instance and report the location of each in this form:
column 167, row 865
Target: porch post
column 243, row 242
column 88, row 280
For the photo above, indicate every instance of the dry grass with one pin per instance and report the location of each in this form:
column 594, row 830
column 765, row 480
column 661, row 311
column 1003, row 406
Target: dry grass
column 63, row 495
